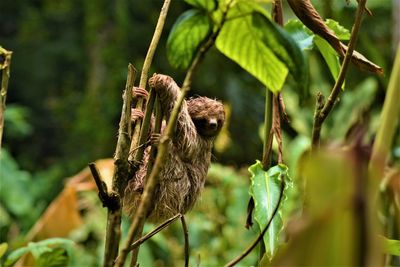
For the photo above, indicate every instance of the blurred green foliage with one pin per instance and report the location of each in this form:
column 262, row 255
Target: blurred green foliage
column 67, row 75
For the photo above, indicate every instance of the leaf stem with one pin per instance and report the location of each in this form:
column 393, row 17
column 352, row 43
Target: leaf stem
column 323, row 113
column 268, row 133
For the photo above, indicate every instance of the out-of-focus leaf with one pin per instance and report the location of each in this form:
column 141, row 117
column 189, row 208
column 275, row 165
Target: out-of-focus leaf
column 188, row 32
column 39, row 248
column 3, row 249
column 57, row 257
column 241, row 39
column 326, row 235
column 16, row 198
column 16, row 120
column 303, row 37
column 352, row 106
column 209, row 5
column 330, row 56
column 15, row 255
column 60, row 218
column 341, row 32
column 391, row 246
column 265, row 189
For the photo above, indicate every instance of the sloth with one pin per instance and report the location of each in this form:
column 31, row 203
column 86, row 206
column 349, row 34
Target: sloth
column 189, row 153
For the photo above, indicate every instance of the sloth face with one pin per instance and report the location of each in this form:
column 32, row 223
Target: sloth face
column 208, row 115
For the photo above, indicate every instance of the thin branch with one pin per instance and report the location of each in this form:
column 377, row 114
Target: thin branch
column 121, row 173
column 145, row 70
column 260, row 237
column 186, row 238
column 162, row 149
column 323, row 114
column 108, row 202
column 158, row 229
column 5, row 67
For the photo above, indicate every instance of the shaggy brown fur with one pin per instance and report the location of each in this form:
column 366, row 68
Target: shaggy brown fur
column 189, row 153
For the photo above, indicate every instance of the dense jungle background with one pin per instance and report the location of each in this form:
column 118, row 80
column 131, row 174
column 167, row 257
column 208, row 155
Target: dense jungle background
column 68, row 71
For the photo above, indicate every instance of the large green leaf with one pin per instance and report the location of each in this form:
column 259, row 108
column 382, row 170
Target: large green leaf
column 265, row 189
column 261, row 47
column 241, row 39
column 188, row 32
column 285, row 48
column 330, row 56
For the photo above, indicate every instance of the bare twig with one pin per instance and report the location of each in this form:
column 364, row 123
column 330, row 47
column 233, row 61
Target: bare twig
column 186, row 238
column 143, row 239
column 121, row 172
column 320, row 116
column 5, row 56
column 260, row 237
column 110, row 201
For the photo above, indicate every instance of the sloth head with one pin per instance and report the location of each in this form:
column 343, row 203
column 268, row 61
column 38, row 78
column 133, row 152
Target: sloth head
column 208, row 115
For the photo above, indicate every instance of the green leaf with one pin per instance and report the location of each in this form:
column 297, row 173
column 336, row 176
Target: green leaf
column 330, row 56
column 3, row 249
column 341, row 32
column 241, row 39
column 261, row 47
column 57, row 257
column 265, row 189
column 42, row 247
column 285, row 48
column 188, row 32
column 300, row 34
column 391, row 246
column 16, row 255
column 208, row 5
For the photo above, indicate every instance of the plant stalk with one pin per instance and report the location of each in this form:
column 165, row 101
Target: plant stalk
column 5, row 77
column 121, row 173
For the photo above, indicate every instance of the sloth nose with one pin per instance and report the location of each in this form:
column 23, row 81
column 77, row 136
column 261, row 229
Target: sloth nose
column 213, row 123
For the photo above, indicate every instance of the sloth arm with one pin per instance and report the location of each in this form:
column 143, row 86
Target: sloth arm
column 185, row 139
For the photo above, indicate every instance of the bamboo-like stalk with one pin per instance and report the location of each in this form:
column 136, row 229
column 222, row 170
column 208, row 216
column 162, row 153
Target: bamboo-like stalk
column 389, row 120
column 143, row 77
